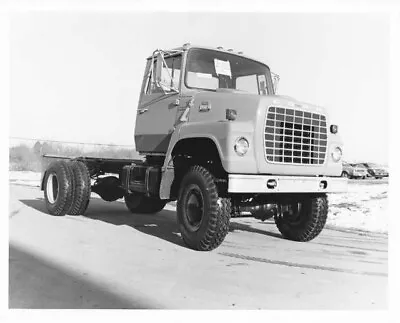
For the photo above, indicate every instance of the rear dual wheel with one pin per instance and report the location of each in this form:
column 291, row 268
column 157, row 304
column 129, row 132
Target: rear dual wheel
column 82, row 189
column 67, row 188
column 59, row 188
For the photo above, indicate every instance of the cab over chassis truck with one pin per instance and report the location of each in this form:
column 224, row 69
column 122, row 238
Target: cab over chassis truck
column 217, row 139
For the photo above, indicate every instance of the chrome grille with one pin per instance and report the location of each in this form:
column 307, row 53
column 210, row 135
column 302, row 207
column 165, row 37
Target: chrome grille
column 295, row 137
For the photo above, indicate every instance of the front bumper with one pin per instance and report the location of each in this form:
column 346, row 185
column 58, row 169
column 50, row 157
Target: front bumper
column 243, row 183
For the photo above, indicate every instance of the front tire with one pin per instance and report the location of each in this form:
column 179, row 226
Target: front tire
column 203, row 217
column 345, row 174
column 59, row 188
column 305, row 220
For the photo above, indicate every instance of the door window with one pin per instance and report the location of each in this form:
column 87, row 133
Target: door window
column 170, row 76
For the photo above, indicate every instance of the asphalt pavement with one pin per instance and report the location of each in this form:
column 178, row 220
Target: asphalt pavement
column 110, row 258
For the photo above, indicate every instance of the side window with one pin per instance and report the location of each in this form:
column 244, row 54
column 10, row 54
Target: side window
column 170, row 76
column 149, row 77
column 262, row 84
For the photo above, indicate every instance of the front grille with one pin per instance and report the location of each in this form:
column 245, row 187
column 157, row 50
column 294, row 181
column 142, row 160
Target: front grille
column 295, row 137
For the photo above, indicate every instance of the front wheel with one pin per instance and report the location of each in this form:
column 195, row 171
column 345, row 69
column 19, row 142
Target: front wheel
column 345, row 174
column 304, row 218
column 203, row 216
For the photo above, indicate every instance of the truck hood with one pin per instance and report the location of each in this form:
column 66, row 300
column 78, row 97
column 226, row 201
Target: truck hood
column 207, row 118
column 292, row 102
column 246, row 104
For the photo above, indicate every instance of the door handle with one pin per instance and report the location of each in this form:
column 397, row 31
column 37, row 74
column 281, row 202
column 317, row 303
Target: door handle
column 141, row 111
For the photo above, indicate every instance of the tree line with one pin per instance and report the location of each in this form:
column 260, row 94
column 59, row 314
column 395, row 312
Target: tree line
column 25, row 158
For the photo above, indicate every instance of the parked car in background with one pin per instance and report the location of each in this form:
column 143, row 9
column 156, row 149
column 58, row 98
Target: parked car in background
column 386, row 169
column 361, row 165
column 354, row 171
column 375, row 170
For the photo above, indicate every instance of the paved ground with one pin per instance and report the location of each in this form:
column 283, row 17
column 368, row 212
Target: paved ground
column 110, row 258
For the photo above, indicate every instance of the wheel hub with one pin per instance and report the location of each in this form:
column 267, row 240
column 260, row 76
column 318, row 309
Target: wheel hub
column 52, row 188
column 195, row 209
column 292, row 213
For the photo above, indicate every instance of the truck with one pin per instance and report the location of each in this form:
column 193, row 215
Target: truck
column 216, row 138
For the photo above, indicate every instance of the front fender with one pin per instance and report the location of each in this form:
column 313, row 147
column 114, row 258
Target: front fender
column 224, row 135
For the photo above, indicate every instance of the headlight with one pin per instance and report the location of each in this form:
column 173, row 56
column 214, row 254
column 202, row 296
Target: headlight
column 241, row 146
column 336, row 154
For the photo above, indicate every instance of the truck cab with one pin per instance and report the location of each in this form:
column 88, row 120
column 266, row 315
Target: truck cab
column 230, row 100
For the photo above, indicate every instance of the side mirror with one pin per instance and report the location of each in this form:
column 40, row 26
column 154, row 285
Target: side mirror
column 159, row 65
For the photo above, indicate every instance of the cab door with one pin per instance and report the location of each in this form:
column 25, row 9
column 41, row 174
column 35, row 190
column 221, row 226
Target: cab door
column 158, row 107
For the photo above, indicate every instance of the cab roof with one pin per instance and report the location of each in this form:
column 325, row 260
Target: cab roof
column 187, row 46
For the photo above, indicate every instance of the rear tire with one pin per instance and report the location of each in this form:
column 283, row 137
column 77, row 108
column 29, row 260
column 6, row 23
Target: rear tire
column 59, row 188
column 308, row 220
column 82, row 188
column 345, row 174
column 143, row 204
column 203, row 217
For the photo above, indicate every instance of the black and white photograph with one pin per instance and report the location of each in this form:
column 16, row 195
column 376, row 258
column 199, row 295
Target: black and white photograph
column 212, row 159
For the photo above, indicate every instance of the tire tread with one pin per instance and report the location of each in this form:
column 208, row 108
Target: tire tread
column 219, row 214
column 82, row 189
column 65, row 178
column 315, row 222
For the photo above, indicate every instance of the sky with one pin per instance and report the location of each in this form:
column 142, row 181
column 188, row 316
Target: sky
column 76, row 76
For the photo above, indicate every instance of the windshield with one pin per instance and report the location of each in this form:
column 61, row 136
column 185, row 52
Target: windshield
column 210, row 70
